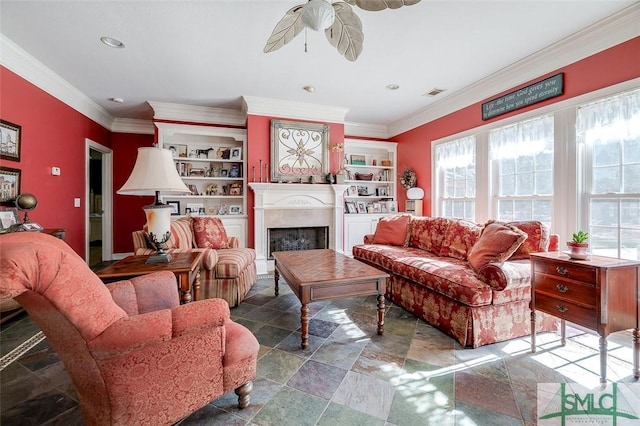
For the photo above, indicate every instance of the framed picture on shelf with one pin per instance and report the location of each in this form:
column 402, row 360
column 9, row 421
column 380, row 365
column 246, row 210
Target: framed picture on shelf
column 8, row 217
column 352, row 191
column 382, row 192
column 178, row 150
column 384, row 207
column 235, row 209
column 377, row 208
column 351, row 207
column 9, row 141
column 393, row 206
column 362, row 207
column 358, row 160
column 224, row 173
column 195, row 207
column 10, row 187
column 236, row 154
column 175, row 207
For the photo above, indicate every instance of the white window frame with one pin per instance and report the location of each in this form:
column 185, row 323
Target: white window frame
column 568, row 212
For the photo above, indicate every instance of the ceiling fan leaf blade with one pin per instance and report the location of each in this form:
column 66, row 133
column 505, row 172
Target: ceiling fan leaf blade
column 376, row 5
column 346, row 32
column 289, row 26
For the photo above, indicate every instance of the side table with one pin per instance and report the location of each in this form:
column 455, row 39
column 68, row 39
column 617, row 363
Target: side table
column 185, row 266
column 599, row 293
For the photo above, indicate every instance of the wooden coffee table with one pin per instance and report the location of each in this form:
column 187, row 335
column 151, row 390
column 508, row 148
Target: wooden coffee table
column 185, row 266
column 325, row 274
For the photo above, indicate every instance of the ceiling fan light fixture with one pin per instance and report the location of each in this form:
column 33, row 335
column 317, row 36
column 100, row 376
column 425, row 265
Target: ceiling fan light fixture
column 318, row 14
column 309, row 89
column 392, row 87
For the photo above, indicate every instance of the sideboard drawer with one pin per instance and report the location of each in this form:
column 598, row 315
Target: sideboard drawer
column 566, row 290
column 563, row 269
column 586, row 317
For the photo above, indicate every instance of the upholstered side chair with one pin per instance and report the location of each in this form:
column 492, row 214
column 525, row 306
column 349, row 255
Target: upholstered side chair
column 134, row 354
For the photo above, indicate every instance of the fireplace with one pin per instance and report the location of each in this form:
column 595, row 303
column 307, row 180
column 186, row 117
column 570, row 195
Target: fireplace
column 293, row 239
column 295, row 205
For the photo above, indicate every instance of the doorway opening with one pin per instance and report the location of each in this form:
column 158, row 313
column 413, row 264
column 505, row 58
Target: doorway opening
column 98, row 204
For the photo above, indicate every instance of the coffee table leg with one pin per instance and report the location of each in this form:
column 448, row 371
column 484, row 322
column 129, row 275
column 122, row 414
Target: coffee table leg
column 304, row 319
column 276, row 277
column 381, row 308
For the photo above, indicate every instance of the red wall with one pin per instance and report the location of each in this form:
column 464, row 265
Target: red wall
column 615, row 65
column 52, row 134
column 127, row 209
column 258, row 147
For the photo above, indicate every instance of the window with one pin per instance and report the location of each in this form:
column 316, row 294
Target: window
column 609, row 130
column 456, row 176
column 522, row 170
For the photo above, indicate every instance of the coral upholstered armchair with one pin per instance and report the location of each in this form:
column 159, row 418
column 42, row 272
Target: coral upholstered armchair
column 134, row 354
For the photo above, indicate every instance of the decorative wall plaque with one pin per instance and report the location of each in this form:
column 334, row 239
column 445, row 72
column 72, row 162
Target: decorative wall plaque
column 298, row 151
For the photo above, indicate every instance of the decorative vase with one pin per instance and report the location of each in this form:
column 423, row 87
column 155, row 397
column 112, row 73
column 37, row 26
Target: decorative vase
column 340, row 178
column 577, row 250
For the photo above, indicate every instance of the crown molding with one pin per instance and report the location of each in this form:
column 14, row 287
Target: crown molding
column 377, row 131
column 197, row 114
column 130, row 125
column 26, row 66
column 290, row 109
column 609, row 32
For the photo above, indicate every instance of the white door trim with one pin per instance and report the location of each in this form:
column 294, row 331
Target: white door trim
column 107, row 199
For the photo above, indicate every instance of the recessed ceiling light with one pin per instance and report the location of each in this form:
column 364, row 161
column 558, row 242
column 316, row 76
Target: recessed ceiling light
column 112, row 42
column 393, row 87
column 117, row 100
column 309, row 89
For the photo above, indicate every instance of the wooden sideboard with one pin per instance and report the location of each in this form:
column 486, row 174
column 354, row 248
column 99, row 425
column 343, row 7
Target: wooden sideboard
column 599, row 293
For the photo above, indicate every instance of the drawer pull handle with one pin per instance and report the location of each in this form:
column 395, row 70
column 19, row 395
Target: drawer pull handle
column 562, row 308
column 561, row 270
column 562, row 288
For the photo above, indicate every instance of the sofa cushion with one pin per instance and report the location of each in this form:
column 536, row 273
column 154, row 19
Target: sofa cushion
column 537, row 238
column 427, row 233
column 209, row 232
column 460, row 237
column 231, row 262
column 496, row 244
column 393, row 230
column 182, row 231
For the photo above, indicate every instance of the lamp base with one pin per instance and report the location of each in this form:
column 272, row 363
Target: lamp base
column 159, row 258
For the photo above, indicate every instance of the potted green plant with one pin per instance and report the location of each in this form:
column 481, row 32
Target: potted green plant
column 578, row 245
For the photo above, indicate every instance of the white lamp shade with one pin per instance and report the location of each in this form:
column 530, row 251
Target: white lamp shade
column 415, row 193
column 318, row 14
column 158, row 220
column 154, row 171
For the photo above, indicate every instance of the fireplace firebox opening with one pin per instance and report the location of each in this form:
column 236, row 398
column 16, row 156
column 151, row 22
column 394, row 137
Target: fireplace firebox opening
column 293, row 239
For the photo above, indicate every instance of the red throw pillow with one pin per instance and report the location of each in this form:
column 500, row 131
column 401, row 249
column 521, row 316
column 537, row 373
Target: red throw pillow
column 496, row 244
column 209, row 232
column 393, row 230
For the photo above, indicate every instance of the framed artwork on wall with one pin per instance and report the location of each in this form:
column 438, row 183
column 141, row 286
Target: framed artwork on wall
column 175, row 207
column 8, row 217
column 9, row 184
column 299, row 151
column 9, row 141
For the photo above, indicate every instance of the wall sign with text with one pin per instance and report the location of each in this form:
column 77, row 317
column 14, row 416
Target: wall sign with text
column 525, row 96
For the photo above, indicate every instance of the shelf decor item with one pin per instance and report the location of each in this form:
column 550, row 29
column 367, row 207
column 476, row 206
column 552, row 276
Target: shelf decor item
column 578, row 245
column 154, row 172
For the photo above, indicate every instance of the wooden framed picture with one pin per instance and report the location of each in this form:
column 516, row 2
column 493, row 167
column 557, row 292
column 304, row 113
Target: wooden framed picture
column 175, row 207
column 351, row 207
column 9, row 183
column 8, row 217
column 9, row 141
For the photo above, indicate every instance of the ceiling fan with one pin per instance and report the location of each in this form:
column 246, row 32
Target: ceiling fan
column 338, row 20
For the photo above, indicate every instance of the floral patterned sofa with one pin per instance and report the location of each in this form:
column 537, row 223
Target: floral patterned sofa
column 228, row 271
column 471, row 281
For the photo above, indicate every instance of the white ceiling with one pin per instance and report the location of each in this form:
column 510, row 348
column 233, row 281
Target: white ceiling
column 209, row 53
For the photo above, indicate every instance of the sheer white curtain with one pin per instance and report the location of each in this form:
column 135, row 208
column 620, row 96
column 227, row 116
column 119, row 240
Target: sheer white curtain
column 455, row 165
column 522, row 139
column 617, row 117
column 457, row 153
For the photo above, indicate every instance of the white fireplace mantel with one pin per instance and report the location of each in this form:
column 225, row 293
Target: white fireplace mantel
column 295, row 204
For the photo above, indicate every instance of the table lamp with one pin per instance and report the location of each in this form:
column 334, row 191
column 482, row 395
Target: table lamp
column 415, row 193
column 153, row 173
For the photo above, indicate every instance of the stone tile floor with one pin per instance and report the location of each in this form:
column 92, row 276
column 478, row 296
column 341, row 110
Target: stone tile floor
column 412, row 375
